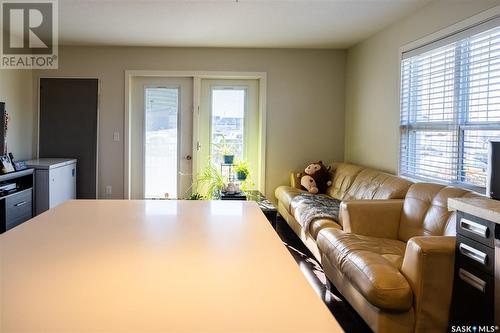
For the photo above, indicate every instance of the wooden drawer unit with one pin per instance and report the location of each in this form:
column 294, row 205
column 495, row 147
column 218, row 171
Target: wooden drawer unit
column 475, row 228
column 18, row 208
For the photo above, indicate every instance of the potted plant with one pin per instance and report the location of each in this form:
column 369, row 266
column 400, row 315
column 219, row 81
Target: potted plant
column 242, row 170
column 227, row 155
column 195, row 196
column 225, row 151
column 212, row 180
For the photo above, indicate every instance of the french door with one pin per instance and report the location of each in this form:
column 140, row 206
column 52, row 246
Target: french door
column 161, row 138
column 229, row 119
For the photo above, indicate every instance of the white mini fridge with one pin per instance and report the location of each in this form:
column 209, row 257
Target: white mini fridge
column 55, row 182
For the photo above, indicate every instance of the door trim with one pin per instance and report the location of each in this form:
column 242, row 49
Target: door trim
column 37, row 121
column 196, row 76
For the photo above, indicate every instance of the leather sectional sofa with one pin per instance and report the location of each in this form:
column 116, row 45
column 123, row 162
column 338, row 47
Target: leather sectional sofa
column 349, row 182
column 391, row 252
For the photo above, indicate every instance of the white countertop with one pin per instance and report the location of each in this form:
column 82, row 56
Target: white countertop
column 483, row 207
column 159, row 266
column 49, row 163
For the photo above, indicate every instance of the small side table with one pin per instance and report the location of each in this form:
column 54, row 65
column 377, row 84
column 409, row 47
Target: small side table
column 265, row 205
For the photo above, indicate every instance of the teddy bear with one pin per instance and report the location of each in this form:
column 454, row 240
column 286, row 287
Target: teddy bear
column 315, row 178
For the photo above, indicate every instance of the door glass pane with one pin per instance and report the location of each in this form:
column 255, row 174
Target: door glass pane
column 228, row 114
column 161, row 160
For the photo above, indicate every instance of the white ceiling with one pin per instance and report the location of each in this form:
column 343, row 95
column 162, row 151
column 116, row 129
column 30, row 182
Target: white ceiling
column 225, row 23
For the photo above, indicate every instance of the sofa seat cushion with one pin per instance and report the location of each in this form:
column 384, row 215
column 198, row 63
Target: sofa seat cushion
column 285, row 194
column 319, row 224
column 306, row 208
column 371, row 265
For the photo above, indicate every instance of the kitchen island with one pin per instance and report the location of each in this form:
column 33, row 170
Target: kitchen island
column 162, row 266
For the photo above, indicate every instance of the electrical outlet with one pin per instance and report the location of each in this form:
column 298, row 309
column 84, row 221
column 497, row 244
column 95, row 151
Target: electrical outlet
column 116, row 136
column 109, row 190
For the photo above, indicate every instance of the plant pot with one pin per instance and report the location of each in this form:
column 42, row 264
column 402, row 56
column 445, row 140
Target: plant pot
column 228, row 159
column 240, row 175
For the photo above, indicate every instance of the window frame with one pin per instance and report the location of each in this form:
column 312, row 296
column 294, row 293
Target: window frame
column 459, row 123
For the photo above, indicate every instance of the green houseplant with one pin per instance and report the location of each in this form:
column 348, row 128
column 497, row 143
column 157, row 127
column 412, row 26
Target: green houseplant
column 224, row 150
column 195, row 196
column 211, row 180
column 242, row 170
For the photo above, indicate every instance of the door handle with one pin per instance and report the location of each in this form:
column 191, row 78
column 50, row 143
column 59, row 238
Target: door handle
column 474, row 228
column 472, row 280
column 189, row 157
column 473, row 254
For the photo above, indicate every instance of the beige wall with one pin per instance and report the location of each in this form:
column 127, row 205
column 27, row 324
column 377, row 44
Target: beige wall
column 16, row 92
column 372, row 79
column 305, row 99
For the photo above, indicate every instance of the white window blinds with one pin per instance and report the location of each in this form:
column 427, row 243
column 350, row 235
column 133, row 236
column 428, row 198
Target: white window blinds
column 450, row 106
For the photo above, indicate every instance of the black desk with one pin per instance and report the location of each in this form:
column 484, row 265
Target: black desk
column 265, row 205
column 16, row 206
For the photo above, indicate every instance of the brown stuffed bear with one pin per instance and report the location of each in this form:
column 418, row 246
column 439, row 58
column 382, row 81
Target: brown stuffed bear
column 316, row 178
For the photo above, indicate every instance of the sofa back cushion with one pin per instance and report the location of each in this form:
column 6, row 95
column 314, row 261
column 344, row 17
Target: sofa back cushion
column 425, row 211
column 343, row 176
column 372, row 184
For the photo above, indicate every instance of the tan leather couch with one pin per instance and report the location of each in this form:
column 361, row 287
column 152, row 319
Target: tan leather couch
column 394, row 259
column 349, row 182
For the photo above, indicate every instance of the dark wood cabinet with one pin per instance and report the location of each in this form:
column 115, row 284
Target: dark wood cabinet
column 16, row 205
column 474, row 281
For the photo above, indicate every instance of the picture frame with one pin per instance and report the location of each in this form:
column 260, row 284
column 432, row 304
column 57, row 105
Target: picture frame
column 6, row 164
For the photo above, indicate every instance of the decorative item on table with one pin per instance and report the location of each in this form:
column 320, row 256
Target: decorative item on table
column 232, row 188
column 242, row 170
column 4, row 120
column 18, row 165
column 6, row 164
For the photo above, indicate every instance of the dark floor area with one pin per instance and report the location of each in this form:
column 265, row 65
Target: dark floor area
column 343, row 312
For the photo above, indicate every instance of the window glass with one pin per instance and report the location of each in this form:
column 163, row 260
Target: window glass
column 160, row 151
column 227, row 123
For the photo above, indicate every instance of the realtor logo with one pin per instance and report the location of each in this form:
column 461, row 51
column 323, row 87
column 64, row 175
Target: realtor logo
column 29, row 34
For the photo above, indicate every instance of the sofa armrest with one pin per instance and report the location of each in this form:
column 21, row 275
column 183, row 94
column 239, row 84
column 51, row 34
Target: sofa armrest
column 428, row 267
column 294, row 180
column 375, row 218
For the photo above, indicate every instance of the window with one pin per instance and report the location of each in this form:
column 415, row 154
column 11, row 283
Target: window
column 450, row 107
column 228, row 123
